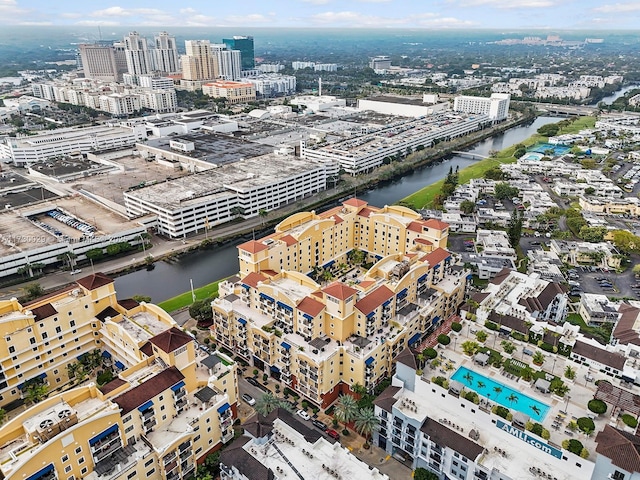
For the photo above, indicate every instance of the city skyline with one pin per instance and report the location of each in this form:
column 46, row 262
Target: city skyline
column 442, row 14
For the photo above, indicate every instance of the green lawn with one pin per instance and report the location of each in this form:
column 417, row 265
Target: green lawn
column 185, row 299
column 423, row 198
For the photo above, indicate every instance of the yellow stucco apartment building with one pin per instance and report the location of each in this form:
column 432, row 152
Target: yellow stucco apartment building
column 167, row 407
column 320, row 337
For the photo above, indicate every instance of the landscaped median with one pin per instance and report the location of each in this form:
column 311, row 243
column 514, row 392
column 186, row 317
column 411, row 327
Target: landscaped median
column 424, row 198
column 186, row 299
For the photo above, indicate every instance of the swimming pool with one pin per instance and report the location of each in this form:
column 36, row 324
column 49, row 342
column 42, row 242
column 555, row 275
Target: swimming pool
column 545, row 147
column 500, row 393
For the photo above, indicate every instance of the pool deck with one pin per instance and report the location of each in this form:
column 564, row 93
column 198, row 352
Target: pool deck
column 561, row 410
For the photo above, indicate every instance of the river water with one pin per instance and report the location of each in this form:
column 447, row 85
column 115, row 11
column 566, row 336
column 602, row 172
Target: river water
column 614, row 96
column 173, row 277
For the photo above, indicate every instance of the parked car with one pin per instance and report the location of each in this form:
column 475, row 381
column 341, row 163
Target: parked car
column 318, row 424
column 253, row 381
column 249, row 399
column 333, row 434
column 303, row 414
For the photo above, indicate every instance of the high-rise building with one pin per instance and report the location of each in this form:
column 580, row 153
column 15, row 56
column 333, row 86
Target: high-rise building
column 120, row 53
column 496, row 106
column 245, row 45
column 137, row 54
column 165, row 53
column 198, row 64
column 228, row 61
column 99, row 62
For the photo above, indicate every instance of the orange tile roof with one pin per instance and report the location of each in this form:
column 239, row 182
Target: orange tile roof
column 354, row 202
column 171, row 339
column 252, row 246
column 289, row 240
column 339, row 290
column 415, row 226
column 317, row 294
column 424, row 241
column 372, row 301
column 366, row 283
column 270, row 273
column 436, row 257
column 437, row 224
column 366, row 212
column 253, row 278
column 338, row 219
column 94, row 281
column 310, row 306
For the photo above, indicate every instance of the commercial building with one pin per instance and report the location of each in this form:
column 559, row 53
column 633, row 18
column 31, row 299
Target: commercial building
column 27, row 149
column 243, row 188
column 402, row 106
column 496, row 106
column 380, row 63
column 99, row 62
column 437, row 429
column 280, row 445
column 168, row 406
column 245, row 45
column 365, row 151
column 320, row 337
column 233, row 92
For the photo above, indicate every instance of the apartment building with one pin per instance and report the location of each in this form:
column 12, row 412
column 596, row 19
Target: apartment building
column 280, row 445
column 427, row 426
column 169, row 405
column 495, row 107
column 99, row 62
column 320, row 337
column 597, row 309
column 233, row 92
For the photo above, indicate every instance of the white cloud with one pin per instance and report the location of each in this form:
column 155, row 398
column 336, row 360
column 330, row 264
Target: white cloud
column 356, row 19
column 127, row 12
column 619, row 7
column 510, row 4
column 98, row 23
column 251, row 19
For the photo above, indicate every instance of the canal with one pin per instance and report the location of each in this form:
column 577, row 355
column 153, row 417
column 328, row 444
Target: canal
column 170, row 278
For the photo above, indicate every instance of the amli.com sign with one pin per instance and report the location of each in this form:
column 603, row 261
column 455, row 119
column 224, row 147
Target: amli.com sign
column 511, row 430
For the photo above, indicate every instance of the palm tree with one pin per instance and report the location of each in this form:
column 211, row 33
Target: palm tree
column 468, row 377
column 421, row 358
column 481, row 384
column 263, row 214
column 498, row 390
column 513, row 398
column 535, row 409
column 346, row 409
column 366, row 423
column 266, row 404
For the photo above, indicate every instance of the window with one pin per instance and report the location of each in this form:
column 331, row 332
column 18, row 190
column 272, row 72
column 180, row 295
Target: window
column 65, row 458
column 84, row 471
column 148, row 462
column 72, row 323
column 80, row 460
column 12, row 349
column 58, row 329
column 67, row 469
column 151, row 472
column 617, row 475
column 78, row 450
column 131, row 475
column 32, row 340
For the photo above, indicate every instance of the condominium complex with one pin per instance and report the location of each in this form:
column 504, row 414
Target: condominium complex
column 496, row 106
column 167, row 408
column 198, row 63
column 233, row 92
column 165, row 54
column 320, row 337
column 137, row 54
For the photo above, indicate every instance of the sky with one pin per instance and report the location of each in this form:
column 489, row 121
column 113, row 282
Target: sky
column 429, row 14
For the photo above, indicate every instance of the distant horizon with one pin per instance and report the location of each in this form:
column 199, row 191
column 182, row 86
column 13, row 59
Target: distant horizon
column 532, row 15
